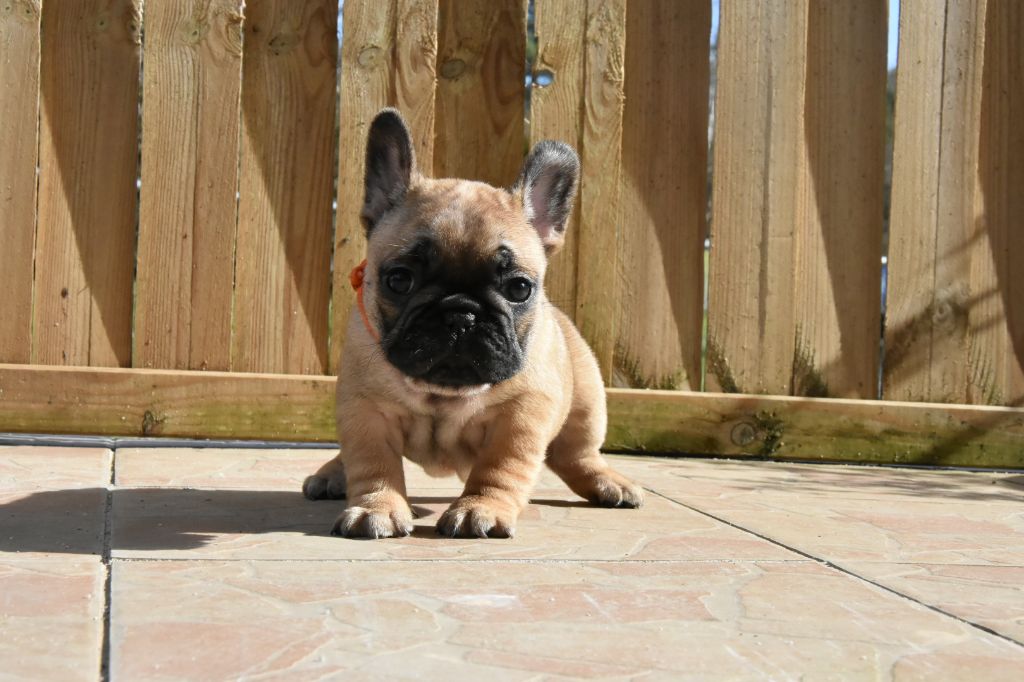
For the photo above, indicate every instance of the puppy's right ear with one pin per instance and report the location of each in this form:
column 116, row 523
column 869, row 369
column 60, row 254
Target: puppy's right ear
column 390, row 166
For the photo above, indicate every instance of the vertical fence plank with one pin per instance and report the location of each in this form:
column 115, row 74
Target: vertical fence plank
column 187, row 212
column 664, row 182
column 955, row 331
column 935, row 150
column 89, row 82
column 415, row 80
column 389, row 52
column 997, row 327
column 598, row 277
column 837, row 292
column 761, row 52
column 798, row 198
column 367, row 74
column 912, row 236
column 19, row 117
column 555, row 115
column 480, row 91
column 287, row 157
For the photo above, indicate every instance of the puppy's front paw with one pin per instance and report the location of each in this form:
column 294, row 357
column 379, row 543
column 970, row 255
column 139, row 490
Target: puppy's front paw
column 317, row 487
column 375, row 519
column 328, row 483
column 476, row 516
column 612, row 489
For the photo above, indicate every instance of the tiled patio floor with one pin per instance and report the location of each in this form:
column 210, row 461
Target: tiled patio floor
column 186, row 564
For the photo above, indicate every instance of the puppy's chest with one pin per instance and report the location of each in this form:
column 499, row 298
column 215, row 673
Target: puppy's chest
column 444, row 444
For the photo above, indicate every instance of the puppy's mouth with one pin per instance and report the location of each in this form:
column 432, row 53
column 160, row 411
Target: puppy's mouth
column 425, row 387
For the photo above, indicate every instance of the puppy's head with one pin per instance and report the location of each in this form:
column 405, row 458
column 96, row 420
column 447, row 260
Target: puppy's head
column 455, row 268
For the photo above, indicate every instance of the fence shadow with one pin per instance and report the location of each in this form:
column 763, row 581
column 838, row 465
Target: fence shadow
column 849, row 211
column 288, row 114
column 87, row 199
column 1001, row 173
column 73, row 521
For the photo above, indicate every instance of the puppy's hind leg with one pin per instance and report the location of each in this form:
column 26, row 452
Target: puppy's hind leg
column 328, row 483
column 576, row 457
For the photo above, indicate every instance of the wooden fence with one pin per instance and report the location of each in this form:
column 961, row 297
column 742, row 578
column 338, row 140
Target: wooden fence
column 171, row 263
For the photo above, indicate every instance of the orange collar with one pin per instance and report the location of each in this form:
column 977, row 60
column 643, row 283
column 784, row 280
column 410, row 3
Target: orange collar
column 356, row 278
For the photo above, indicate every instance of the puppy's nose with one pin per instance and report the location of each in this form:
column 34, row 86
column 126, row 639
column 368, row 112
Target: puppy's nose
column 459, row 312
column 459, row 320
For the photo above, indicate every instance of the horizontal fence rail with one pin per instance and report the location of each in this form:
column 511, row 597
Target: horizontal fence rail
column 187, row 404
column 180, row 183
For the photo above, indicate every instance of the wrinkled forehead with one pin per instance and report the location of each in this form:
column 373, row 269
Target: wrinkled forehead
column 466, row 224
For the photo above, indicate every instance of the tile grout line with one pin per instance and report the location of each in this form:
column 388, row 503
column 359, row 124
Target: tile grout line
column 837, row 567
column 108, row 569
column 447, row 560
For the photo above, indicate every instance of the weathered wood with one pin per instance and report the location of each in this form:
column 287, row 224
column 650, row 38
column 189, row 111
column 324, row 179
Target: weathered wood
column 415, row 79
column 283, row 252
column 367, row 73
column 815, row 429
column 996, row 358
column 88, row 156
column 480, row 90
column 794, row 298
column 597, row 281
column 119, row 402
column 912, row 236
column 19, row 118
column 955, row 331
column 188, row 209
column 555, row 115
column 929, row 299
column 758, row 106
column 664, row 201
column 389, row 52
column 837, row 291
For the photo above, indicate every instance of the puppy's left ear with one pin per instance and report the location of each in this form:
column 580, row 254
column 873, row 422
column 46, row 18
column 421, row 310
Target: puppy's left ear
column 390, row 166
column 547, row 185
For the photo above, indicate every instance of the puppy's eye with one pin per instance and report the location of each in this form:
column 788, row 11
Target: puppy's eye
column 399, row 280
column 517, row 289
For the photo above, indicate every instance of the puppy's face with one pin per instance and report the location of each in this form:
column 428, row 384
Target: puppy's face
column 457, row 273
column 455, row 268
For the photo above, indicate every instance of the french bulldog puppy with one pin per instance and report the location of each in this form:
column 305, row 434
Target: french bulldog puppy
column 454, row 358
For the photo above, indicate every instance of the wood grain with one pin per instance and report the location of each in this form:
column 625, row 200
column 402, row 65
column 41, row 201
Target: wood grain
column 794, row 287
column 188, row 210
column 119, row 402
column 837, row 288
column 664, row 195
column 757, row 151
column 912, row 231
column 389, row 52
column 283, row 281
column 955, row 329
column 555, row 115
column 598, row 272
column 415, row 79
column 156, row 402
column 814, row 429
column 19, row 118
column 367, row 76
column 88, row 155
column 996, row 355
column 480, row 90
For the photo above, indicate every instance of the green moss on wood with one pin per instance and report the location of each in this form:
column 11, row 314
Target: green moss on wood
column 807, row 378
column 718, row 365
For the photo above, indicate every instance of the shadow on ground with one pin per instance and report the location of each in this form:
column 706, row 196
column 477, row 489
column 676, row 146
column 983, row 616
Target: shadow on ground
column 72, row 521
